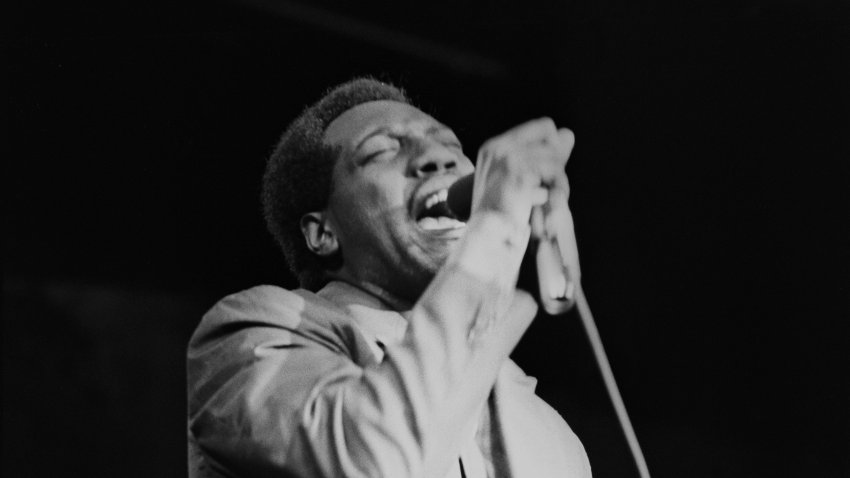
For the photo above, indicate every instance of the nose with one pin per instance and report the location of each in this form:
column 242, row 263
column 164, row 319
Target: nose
column 434, row 159
column 431, row 165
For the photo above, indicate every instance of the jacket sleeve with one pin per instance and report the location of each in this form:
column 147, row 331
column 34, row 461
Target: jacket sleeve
column 270, row 401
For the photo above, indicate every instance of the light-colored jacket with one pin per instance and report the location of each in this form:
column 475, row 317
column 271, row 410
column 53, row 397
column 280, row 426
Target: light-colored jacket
column 334, row 384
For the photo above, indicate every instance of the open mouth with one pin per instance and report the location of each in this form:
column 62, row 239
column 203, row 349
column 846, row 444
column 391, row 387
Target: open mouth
column 434, row 214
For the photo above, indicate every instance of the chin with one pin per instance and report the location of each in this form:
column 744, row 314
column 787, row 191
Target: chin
column 436, row 246
column 436, row 258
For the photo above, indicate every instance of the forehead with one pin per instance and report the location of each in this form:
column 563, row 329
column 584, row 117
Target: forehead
column 364, row 118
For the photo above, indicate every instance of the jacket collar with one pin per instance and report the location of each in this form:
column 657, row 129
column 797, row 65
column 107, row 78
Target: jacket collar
column 375, row 319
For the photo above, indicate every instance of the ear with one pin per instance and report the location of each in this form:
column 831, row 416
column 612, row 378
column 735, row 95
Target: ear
column 318, row 234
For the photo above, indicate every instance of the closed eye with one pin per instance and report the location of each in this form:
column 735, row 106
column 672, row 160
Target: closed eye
column 448, row 138
column 378, row 146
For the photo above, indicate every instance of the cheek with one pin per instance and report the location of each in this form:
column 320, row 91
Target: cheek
column 379, row 195
column 368, row 209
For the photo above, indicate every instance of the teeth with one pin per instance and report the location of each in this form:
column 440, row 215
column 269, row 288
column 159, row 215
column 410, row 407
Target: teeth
column 434, row 223
column 438, row 196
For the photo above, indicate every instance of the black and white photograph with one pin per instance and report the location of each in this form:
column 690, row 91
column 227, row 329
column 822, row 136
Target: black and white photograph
column 426, row 239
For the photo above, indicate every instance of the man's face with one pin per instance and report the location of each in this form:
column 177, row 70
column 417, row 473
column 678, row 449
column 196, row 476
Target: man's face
column 389, row 187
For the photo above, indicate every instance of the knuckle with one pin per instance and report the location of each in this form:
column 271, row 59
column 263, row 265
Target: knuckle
column 543, row 128
column 567, row 137
column 548, row 129
column 546, row 122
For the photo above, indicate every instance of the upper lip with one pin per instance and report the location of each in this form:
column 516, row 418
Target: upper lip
column 426, row 189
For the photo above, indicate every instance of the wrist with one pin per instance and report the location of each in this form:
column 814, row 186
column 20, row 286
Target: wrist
column 492, row 248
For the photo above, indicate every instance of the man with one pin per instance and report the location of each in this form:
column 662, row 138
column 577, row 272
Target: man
column 392, row 361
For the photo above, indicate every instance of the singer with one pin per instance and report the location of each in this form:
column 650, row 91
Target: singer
column 392, row 359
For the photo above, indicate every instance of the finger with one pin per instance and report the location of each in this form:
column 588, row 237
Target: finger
column 566, row 240
column 558, row 224
column 556, row 208
column 539, row 196
column 561, row 185
column 538, row 227
column 567, row 246
column 566, row 142
column 534, row 131
column 542, row 161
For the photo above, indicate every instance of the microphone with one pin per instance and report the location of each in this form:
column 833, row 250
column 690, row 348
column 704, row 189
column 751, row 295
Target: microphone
column 460, row 197
column 555, row 286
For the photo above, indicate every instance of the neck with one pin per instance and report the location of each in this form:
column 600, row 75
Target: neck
column 393, row 301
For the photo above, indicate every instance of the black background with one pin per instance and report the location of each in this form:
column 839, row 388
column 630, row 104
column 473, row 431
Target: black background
column 710, row 192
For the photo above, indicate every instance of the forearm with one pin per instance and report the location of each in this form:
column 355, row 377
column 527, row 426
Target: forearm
column 461, row 331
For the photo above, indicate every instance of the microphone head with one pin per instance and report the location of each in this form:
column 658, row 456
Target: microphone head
column 460, row 197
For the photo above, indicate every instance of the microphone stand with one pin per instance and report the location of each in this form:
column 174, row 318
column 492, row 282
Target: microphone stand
column 583, row 310
column 558, row 293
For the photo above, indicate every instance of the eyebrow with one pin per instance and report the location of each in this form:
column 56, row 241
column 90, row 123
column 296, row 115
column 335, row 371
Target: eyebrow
column 434, row 128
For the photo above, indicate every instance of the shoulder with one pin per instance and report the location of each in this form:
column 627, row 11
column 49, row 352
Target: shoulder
column 269, row 317
column 265, row 307
column 261, row 317
column 260, row 329
column 263, row 303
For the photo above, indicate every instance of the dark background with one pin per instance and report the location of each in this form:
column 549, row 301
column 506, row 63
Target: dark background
column 710, row 191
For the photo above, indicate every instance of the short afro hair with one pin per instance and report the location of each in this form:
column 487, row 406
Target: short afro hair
column 298, row 174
